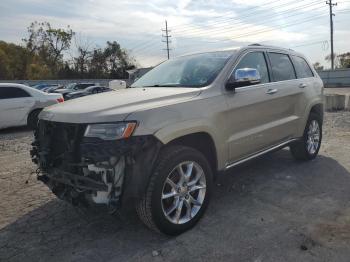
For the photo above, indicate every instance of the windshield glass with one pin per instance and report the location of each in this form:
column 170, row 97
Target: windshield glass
column 187, row 71
column 70, row 86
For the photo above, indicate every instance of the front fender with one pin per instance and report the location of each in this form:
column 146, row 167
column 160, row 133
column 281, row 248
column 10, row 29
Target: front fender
column 192, row 126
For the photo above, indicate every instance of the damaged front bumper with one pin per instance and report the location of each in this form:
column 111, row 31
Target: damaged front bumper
column 86, row 171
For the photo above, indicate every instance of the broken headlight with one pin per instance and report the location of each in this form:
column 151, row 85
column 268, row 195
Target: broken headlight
column 111, row 131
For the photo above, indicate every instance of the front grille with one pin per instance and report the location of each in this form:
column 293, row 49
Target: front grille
column 59, row 144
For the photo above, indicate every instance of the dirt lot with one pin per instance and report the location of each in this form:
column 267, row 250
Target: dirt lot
column 271, row 209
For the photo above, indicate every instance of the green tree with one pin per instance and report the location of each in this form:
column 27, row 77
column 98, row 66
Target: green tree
column 97, row 64
column 117, row 60
column 43, row 57
column 318, row 66
column 344, row 60
column 48, row 43
column 14, row 60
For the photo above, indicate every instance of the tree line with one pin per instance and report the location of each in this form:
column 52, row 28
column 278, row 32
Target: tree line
column 340, row 61
column 58, row 53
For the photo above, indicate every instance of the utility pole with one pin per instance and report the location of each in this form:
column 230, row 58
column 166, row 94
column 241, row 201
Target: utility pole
column 331, row 25
column 166, row 36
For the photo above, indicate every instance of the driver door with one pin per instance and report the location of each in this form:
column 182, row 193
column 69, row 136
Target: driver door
column 250, row 115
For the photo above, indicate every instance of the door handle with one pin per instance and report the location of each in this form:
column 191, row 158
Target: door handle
column 302, row 85
column 271, row 91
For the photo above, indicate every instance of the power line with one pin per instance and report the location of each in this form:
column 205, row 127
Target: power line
column 268, row 19
column 146, row 43
column 269, row 30
column 263, row 31
column 259, row 31
column 225, row 18
column 323, row 42
column 150, row 45
column 252, row 14
column 239, row 36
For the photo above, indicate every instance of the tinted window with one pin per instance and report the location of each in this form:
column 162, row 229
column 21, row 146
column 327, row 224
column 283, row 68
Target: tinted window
column 302, row 68
column 82, row 86
column 282, row 67
column 7, row 92
column 257, row 61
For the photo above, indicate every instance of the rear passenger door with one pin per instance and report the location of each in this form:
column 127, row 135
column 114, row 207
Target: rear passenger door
column 15, row 104
column 306, row 81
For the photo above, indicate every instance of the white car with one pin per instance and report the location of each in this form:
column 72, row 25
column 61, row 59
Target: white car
column 20, row 104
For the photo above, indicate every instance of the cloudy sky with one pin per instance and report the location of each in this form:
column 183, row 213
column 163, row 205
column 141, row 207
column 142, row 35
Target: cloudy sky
column 196, row 25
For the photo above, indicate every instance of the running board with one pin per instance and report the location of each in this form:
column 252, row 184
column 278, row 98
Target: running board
column 279, row 146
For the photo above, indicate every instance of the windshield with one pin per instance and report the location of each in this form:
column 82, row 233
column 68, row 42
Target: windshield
column 70, row 86
column 188, row 71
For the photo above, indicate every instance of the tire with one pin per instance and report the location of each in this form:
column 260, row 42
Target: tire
column 152, row 208
column 301, row 150
column 32, row 120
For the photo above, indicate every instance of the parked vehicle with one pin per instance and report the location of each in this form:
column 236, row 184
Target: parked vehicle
column 160, row 144
column 20, row 105
column 88, row 91
column 52, row 88
column 117, row 84
column 72, row 88
column 42, row 87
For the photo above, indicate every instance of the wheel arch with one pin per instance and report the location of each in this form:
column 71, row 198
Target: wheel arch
column 201, row 141
column 31, row 112
column 316, row 107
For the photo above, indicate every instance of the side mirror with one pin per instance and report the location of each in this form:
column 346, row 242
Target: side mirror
column 243, row 77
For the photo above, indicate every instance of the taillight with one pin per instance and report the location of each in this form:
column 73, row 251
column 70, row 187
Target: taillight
column 60, row 100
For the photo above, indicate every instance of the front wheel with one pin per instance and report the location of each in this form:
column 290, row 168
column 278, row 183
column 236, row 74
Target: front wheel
column 178, row 192
column 308, row 146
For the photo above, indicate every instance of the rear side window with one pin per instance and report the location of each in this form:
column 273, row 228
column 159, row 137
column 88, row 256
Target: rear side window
column 257, row 61
column 282, row 67
column 83, row 86
column 302, row 67
column 8, row 92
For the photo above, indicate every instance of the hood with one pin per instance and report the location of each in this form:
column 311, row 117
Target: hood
column 115, row 105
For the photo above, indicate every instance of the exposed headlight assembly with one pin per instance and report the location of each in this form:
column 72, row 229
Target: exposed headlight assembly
column 111, row 131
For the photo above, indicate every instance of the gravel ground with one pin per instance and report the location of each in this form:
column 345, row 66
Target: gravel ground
column 270, row 209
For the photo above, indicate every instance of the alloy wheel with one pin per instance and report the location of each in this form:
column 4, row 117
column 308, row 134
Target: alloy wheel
column 183, row 192
column 313, row 137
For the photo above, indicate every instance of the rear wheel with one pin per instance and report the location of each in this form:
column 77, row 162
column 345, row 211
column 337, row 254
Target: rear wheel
column 178, row 192
column 32, row 120
column 308, row 146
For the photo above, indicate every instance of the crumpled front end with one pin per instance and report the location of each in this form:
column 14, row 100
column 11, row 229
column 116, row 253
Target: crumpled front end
column 87, row 170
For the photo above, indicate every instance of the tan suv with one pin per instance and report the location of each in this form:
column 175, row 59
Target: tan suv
column 160, row 144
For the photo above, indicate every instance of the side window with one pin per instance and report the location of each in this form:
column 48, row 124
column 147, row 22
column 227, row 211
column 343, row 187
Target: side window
column 8, row 92
column 302, row 67
column 282, row 67
column 257, row 61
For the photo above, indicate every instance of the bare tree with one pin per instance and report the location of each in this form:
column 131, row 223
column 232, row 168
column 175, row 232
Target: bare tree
column 81, row 59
